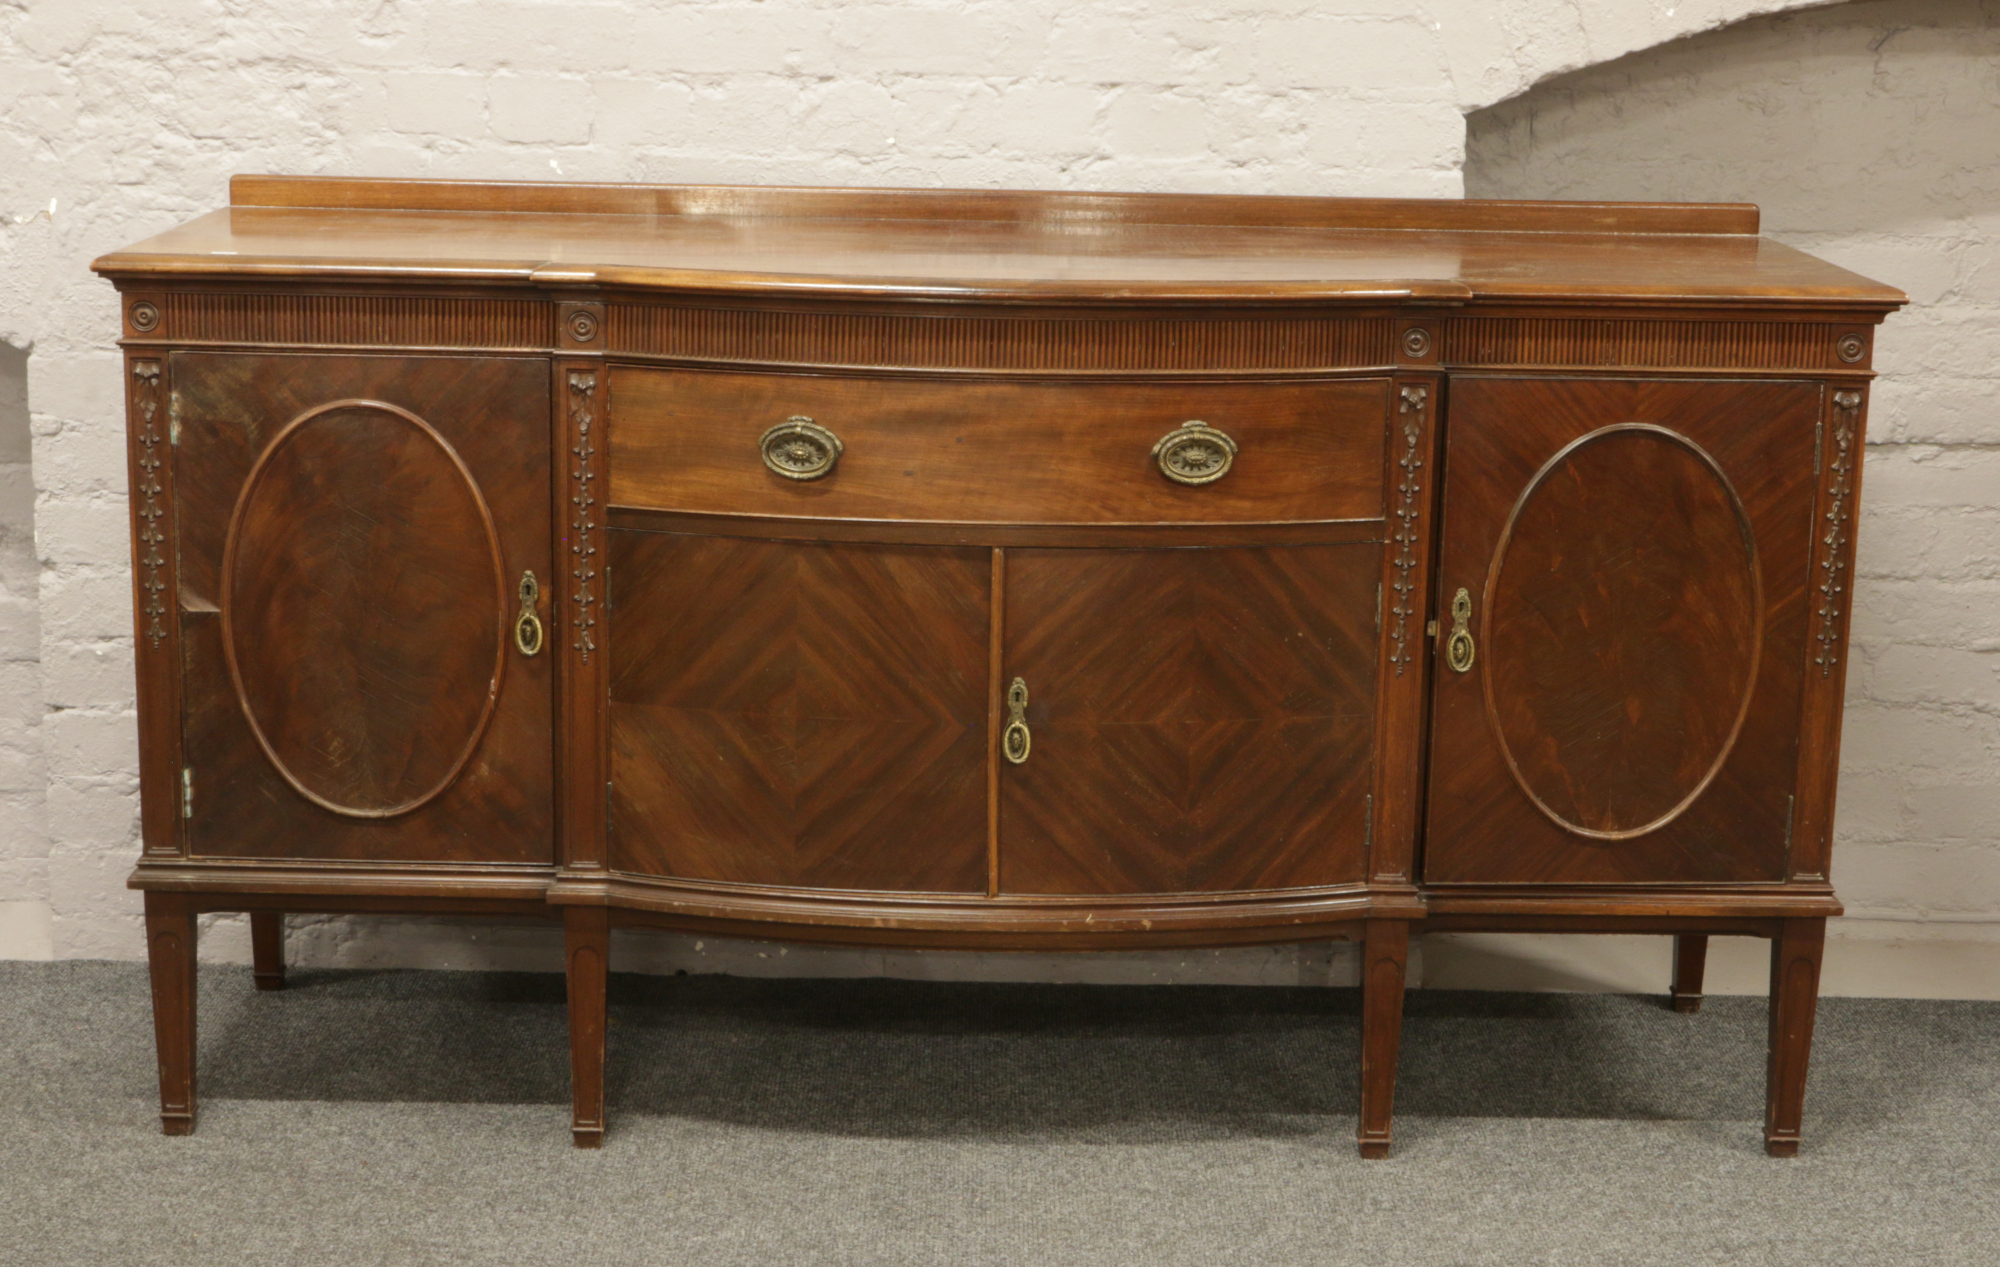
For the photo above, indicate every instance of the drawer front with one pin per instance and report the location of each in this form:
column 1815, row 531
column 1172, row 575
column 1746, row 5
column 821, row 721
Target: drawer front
column 998, row 452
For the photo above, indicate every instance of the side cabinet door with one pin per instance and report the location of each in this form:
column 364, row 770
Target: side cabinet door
column 1199, row 720
column 793, row 714
column 1625, row 572
column 354, row 532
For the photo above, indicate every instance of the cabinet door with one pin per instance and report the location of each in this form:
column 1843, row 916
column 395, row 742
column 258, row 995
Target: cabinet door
column 799, row 715
column 1634, row 561
column 353, row 531
column 1200, row 720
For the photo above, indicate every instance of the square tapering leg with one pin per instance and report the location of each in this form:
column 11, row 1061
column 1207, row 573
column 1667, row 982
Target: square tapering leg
column 1795, row 960
column 170, row 946
column 1385, row 953
column 1690, row 964
column 267, row 949
column 587, row 938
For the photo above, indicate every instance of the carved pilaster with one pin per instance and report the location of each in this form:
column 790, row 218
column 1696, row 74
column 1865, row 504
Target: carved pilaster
column 583, row 510
column 1834, row 530
column 156, row 629
column 150, row 560
column 583, row 686
column 1404, row 538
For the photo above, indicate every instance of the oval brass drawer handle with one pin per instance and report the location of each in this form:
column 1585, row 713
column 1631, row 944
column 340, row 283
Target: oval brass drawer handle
column 1195, row 453
column 527, row 625
column 800, row 449
column 1458, row 648
column 1016, row 739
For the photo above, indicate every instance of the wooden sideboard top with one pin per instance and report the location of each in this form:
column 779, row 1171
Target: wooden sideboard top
column 992, row 246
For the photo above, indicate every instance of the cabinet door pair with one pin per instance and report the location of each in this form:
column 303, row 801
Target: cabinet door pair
column 832, row 715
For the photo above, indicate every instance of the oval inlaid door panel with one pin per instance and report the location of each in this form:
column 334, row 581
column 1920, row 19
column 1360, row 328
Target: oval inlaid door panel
column 1624, row 600
column 1638, row 608
column 364, row 608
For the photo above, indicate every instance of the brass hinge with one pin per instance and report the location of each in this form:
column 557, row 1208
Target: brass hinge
column 1368, row 827
column 1819, row 443
column 187, row 791
column 1378, row 607
column 1791, row 812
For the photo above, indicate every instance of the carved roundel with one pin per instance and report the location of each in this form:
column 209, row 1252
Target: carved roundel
column 583, row 325
column 1623, row 624
column 364, row 608
column 1851, row 347
column 144, row 316
column 1416, row 343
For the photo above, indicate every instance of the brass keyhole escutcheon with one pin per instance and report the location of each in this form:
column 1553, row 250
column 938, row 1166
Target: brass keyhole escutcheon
column 1458, row 649
column 528, row 625
column 1016, row 739
column 800, row 449
column 1195, row 453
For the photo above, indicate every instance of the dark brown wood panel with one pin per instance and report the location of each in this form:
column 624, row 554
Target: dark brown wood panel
column 1624, row 599
column 1567, row 342
column 583, row 676
column 1385, row 959
column 362, row 518
column 1404, row 671
column 1037, row 212
column 351, row 534
column 1635, row 555
column 780, row 246
column 931, row 533
column 1844, row 440
column 156, row 633
column 802, row 715
column 1108, row 345
column 998, row 452
column 587, row 947
column 1796, row 953
column 1201, row 719
column 171, row 934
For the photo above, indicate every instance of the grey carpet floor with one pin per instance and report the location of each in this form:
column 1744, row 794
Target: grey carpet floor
column 421, row 1117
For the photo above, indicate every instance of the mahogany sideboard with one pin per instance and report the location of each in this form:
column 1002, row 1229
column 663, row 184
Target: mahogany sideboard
column 1002, row 570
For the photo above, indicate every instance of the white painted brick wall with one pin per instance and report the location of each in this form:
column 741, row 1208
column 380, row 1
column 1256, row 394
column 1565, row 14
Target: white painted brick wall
column 24, row 932
column 1869, row 133
column 119, row 118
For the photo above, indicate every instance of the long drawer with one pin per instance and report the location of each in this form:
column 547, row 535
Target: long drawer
column 933, row 450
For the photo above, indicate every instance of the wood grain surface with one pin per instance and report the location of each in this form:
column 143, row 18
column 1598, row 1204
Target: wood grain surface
column 364, row 612
column 799, row 715
column 1637, row 553
column 907, row 244
column 1202, row 719
column 1621, row 655
column 998, row 452
column 1063, row 213
column 367, row 608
